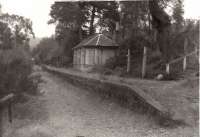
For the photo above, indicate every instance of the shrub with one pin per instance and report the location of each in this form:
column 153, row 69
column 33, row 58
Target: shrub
column 15, row 72
column 117, row 61
column 101, row 70
column 172, row 76
column 111, row 63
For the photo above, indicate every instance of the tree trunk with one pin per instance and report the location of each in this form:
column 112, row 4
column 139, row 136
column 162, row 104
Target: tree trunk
column 91, row 30
column 161, row 22
column 129, row 61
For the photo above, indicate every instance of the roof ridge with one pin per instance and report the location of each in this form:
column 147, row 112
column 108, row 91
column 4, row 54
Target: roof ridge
column 113, row 41
column 99, row 35
column 91, row 40
column 97, row 40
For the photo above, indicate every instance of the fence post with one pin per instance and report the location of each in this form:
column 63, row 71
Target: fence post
column 144, row 62
column 10, row 111
column 167, row 68
column 128, row 60
column 2, row 103
column 185, row 52
column 184, row 63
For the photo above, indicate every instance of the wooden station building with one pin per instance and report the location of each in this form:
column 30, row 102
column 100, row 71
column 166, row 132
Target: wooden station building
column 93, row 51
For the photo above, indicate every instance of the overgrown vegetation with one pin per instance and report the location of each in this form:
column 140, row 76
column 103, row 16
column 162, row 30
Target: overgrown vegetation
column 15, row 68
column 164, row 43
column 134, row 25
column 15, row 60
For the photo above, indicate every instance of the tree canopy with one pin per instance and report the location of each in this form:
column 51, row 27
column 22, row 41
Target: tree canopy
column 19, row 27
column 133, row 24
column 5, row 36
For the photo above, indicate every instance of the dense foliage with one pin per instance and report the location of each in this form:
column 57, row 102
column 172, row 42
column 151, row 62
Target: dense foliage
column 15, row 61
column 20, row 29
column 76, row 20
column 6, row 36
column 49, row 52
column 133, row 24
column 15, row 70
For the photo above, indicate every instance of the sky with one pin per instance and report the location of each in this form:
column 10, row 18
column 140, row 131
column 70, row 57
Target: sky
column 38, row 12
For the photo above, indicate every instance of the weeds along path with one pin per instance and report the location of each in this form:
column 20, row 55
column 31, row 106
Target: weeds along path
column 64, row 110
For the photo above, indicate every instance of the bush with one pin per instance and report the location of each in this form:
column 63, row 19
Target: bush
column 114, row 62
column 102, row 70
column 15, row 72
column 172, row 76
column 111, row 63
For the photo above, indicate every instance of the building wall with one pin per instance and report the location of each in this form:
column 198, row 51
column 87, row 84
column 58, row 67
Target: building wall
column 98, row 56
column 89, row 57
column 82, row 60
column 106, row 54
column 75, row 58
column 79, row 56
column 86, row 58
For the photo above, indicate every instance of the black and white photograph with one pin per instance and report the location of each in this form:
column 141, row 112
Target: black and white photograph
column 104, row 68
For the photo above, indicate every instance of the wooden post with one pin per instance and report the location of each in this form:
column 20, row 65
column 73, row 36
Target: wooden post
column 197, row 54
column 144, row 62
column 167, row 69
column 185, row 52
column 184, row 63
column 10, row 111
column 84, row 57
column 129, row 61
column 2, row 103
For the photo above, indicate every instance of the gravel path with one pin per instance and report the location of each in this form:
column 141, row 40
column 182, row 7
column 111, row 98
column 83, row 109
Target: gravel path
column 64, row 110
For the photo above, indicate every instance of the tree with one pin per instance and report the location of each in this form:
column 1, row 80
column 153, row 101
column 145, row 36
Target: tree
column 171, row 36
column 83, row 13
column 21, row 28
column 69, row 18
column 161, row 22
column 6, row 40
column 47, row 51
column 102, row 11
column 76, row 20
column 15, row 64
column 67, row 15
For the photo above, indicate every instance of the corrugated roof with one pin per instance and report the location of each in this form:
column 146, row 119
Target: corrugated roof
column 97, row 40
